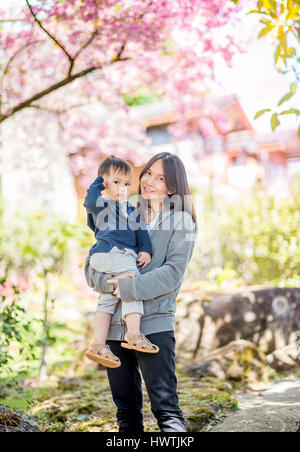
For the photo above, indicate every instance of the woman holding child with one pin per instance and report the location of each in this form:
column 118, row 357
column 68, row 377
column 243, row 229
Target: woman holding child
column 140, row 259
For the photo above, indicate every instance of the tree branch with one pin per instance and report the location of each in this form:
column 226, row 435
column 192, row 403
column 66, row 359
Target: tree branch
column 47, row 91
column 55, row 87
column 2, row 21
column 57, row 112
column 95, row 33
column 70, row 58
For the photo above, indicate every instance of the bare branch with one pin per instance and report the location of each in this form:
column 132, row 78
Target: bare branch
column 47, row 91
column 80, row 50
column 89, row 41
column 49, row 34
column 2, row 21
column 55, row 87
column 57, row 112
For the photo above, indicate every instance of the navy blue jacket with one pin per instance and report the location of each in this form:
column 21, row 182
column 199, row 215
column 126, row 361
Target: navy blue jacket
column 112, row 227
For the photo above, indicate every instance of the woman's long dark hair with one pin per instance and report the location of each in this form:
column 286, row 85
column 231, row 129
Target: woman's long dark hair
column 175, row 179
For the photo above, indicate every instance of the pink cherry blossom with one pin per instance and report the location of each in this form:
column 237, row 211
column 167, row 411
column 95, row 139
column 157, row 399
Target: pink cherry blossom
column 59, row 56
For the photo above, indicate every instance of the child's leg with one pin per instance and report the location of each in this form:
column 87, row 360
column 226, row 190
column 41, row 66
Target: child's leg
column 99, row 351
column 101, row 327
column 133, row 322
column 132, row 312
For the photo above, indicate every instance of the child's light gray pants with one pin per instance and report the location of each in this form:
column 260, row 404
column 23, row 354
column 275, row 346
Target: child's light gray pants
column 116, row 261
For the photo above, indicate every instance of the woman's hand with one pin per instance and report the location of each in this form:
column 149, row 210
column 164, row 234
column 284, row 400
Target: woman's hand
column 115, row 282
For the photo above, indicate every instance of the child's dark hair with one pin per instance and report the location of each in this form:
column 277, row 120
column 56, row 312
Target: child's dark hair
column 115, row 164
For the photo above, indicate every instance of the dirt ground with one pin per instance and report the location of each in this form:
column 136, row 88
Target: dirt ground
column 276, row 409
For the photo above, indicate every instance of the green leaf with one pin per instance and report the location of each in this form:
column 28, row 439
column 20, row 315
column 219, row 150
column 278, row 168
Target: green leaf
column 271, row 7
column 235, row 405
column 293, row 88
column 265, row 31
column 261, row 112
column 82, row 417
column 291, row 111
column 298, row 131
column 290, row 52
column 260, row 4
column 285, row 98
column 274, row 121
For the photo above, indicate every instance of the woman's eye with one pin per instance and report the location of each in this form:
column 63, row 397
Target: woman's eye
column 128, row 185
column 116, row 182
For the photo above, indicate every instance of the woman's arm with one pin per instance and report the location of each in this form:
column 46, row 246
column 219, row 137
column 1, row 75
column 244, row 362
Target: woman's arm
column 92, row 202
column 167, row 277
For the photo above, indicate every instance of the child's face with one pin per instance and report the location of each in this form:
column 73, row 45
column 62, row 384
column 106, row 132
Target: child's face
column 117, row 185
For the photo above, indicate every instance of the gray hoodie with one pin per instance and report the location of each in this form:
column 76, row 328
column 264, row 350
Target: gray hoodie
column 173, row 240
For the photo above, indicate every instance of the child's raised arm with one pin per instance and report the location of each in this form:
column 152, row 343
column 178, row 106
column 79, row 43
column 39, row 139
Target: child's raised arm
column 91, row 202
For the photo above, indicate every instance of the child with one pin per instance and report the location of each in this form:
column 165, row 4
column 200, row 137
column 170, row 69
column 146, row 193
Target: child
column 117, row 249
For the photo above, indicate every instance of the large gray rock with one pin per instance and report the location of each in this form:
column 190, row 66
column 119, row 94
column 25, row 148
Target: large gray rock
column 238, row 360
column 16, row 421
column 270, row 318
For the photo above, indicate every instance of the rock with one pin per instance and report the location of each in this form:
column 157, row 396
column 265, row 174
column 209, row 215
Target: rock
column 210, row 368
column 239, row 360
column 16, row 421
column 199, row 419
column 70, row 383
column 274, row 410
column 285, row 359
column 269, row 318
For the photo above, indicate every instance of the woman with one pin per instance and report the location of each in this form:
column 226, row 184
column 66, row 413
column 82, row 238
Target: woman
column 172, row 230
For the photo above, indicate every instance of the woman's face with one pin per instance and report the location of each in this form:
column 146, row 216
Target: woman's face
column 153, row 185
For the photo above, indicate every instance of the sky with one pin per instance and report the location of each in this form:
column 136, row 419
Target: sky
column 253, row 77
column 255, row 80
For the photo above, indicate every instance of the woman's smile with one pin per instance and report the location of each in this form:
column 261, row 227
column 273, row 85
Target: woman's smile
column 147, row 190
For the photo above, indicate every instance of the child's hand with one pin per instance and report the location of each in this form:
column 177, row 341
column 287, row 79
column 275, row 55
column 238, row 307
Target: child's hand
column 144, row 259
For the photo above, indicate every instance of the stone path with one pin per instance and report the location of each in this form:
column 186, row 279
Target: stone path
column 275, row 410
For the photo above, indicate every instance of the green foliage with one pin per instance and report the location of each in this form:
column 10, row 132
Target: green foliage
column 281, row 23
column 39, row 243
column 143, row 96
column 14, row 324
column 235, row 405
column 38, row 246
column 253, row 241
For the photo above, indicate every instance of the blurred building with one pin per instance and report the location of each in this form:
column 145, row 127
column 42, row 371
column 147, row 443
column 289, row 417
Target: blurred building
column 233, row 160
column 227, row 160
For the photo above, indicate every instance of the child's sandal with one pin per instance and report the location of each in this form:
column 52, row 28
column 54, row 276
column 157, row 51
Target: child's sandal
column 139, row 343
column 107, row 358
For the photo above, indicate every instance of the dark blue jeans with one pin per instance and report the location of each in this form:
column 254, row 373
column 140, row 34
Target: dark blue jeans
column 158, row 371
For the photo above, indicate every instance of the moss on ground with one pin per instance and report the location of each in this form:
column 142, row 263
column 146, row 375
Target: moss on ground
column 85, row 404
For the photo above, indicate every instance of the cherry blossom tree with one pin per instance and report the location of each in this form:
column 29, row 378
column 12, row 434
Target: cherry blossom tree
column 67, row 57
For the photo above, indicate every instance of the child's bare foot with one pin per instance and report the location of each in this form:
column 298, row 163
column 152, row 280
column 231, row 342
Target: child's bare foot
column 139, row 343
column 102, row 354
